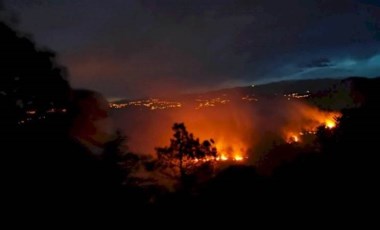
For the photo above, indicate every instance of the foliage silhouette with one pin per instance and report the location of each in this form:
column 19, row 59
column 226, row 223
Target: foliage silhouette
column 185, row 154
column 30, row 79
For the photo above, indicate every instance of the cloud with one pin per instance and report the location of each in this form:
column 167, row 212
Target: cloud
column 318, row 63
column 337, row 67
column 136, row 48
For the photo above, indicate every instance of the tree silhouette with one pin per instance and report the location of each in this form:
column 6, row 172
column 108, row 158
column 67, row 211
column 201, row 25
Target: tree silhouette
column 185, row 153
column 30, row 78
column 30, row 81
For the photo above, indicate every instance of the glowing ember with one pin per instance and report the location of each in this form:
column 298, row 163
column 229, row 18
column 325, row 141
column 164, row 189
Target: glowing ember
column 223, row 157
column 31, row 112
column 299, row 129
column 292, row 138
column 231, row 151
column 238, row 158
column 226, row 158
column 330, row 124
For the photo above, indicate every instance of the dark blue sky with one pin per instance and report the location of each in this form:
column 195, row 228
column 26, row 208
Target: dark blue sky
column 130, row 48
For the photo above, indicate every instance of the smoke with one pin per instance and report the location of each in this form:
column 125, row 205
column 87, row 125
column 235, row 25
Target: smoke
column 7, row 16
column 248, row 129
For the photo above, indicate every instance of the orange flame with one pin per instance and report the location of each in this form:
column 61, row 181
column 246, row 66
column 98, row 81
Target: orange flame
column 231, row 151
column 292, row 138
column 238, row 158
column 222, row 158
column 330, row 124
column 315, row 119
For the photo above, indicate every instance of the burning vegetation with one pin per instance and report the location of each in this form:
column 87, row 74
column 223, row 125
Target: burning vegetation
column 242, row 133
column 296, row 133
column 186, row 154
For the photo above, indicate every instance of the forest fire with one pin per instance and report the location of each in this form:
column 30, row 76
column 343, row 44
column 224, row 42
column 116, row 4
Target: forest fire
column 236, row 157
column 317, row 119
column 293, row 138
column 330, row 124
column 223, row 157
column 242, row 133
column 231, row 152
column 220, row 158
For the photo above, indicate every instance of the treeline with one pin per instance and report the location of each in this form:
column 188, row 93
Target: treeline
column 47, row 164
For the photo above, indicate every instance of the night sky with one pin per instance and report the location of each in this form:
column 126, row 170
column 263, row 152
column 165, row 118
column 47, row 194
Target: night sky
column 126, row 48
